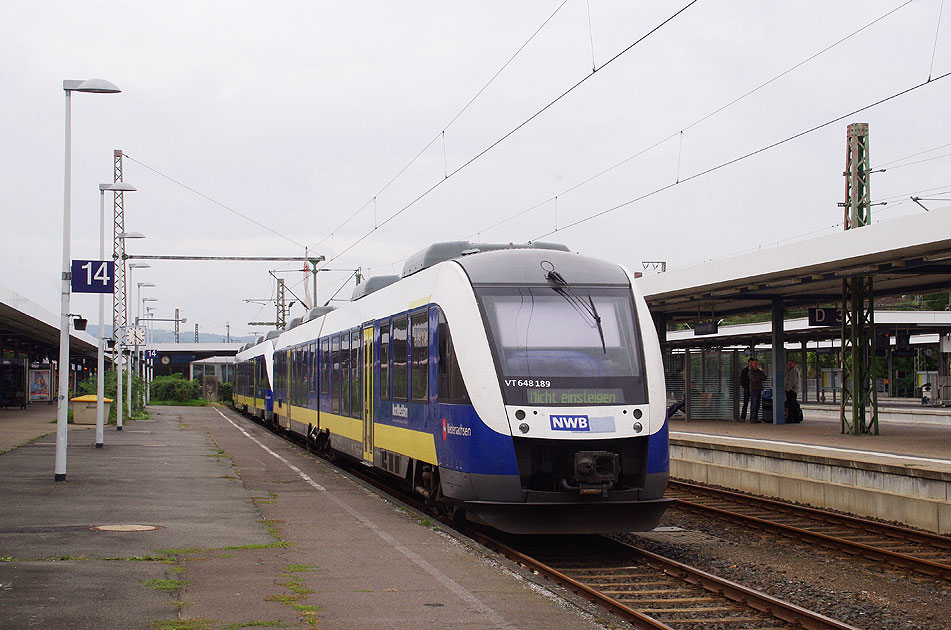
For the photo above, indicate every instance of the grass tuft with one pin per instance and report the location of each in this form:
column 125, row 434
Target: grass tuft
column 164, row 584
column 183, row 624
column 299, row 568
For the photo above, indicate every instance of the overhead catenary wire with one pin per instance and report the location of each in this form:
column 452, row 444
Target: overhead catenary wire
column 341, row 287
column 696, row 122
column 908, row 157
column 937, row 29
column 211, row 199
column 746, row 155
column 515, row 129
column 442, row 132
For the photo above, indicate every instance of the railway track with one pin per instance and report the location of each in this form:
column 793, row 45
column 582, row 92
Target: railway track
column 908, row 549
column 651, row 591
column 638, row 586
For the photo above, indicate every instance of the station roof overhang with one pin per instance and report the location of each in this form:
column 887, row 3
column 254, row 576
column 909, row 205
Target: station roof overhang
column 217, row 349
column 923, row 327
column 907, row 255
column 37, row 327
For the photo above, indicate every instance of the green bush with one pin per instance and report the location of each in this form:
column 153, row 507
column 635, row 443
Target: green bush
column 225, row 391
column 88, row 386
column 175, row 388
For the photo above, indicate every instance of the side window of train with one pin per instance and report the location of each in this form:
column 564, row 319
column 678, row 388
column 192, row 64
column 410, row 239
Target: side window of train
column 345, row 371
column 325, row 366
column 385, row 361
column 335, row 393
column 400, row 362
column 452, row 389
column 312, row 368
column 356, row 371
column 419, row 372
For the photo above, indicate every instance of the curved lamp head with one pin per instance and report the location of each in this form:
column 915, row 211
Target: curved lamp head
column 149, row 299
column 118, row 187
column 138, row 265
column 96, row 86
column 130, row 235
column 145, row 284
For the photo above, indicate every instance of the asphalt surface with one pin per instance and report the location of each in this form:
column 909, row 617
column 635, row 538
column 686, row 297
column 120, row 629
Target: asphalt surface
column 251, row 532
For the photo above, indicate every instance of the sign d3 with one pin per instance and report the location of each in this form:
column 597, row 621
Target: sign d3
column 93, row 276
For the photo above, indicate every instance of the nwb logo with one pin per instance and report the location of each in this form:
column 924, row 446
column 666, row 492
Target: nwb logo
column 570, row 423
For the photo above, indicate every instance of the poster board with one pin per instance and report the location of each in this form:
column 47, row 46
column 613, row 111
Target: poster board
column 39, row 385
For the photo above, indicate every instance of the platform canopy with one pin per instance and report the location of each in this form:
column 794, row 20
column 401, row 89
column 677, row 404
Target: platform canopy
column 37, row 328
column 908, row 255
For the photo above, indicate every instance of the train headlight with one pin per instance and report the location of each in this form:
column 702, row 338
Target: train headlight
column 520, row 414
column 523, row 427
column 638, row 413
column 638, row 427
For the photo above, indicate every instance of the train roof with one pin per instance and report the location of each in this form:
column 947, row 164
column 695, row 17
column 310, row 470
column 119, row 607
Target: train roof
column 441, row 252
column 532, row 266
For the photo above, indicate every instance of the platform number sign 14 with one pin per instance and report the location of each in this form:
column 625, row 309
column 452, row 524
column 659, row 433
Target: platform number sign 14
column 93, row 276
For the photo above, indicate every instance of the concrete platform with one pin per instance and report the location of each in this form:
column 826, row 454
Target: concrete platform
column 252, row 532
column 902, row 475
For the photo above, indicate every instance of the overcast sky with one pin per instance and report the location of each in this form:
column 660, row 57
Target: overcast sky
column 296, row 114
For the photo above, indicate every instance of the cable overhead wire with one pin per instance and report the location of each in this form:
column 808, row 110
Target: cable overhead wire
column 908, row 157
column 442, row 133
column 212, row 200
column 694, row 123
column 746, row 155
column 513, row 130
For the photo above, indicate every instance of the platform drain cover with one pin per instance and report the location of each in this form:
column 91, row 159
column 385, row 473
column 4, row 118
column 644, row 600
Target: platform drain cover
column 125, row 528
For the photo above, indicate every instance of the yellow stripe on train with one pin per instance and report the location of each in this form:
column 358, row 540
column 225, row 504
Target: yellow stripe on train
column 416, row 444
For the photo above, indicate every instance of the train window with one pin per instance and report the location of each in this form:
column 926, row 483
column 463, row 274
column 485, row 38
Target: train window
column 345, row 372
column 400, row 363
column 325, row 366
column 335, row 392
column 292, row 377
column 356, row 370
column 312, row 365
column 419, row 372
column 385, row 361
column 451, row 389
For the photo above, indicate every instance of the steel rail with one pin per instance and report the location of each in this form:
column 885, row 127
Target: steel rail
column 640, row 620
column 784, row 611
column 871, row 552
column 790, row 613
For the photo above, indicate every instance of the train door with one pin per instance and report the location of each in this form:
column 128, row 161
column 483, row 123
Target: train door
column 368, row 361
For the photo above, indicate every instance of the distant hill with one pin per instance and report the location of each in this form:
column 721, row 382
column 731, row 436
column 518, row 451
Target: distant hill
column 185, row 336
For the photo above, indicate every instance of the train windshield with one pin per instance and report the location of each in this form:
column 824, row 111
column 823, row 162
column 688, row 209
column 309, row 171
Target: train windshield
column 565, row 346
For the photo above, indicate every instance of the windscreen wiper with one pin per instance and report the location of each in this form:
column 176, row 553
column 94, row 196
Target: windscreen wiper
column 597, row 319
column 584, row 309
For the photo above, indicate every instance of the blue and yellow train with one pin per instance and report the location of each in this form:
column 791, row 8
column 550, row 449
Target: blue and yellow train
column 521, row 386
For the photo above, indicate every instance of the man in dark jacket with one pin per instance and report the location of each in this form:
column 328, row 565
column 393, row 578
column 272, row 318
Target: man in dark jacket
column 757, row 377
column 745, row 384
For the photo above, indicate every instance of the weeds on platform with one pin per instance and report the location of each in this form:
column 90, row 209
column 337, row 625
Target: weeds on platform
column 183, row 624
column 258, row 624
column 299, row 568
column 165, row 584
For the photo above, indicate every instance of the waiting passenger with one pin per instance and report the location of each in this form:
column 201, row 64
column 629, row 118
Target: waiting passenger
column 757, row 378
column 792, row 384
column 745, row 384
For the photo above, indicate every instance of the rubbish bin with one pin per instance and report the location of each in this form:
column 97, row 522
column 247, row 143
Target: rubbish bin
column 767, row 405
column 84, row 408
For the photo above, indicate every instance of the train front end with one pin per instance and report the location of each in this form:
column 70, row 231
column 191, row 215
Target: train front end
column 576, row 387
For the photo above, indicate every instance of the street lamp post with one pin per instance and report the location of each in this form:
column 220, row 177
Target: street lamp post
column 95, row 86
column 101, row 360
column 134, row 265
column 122, row 237
column 150, row 314
column 141, row 353
column 138, row 316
